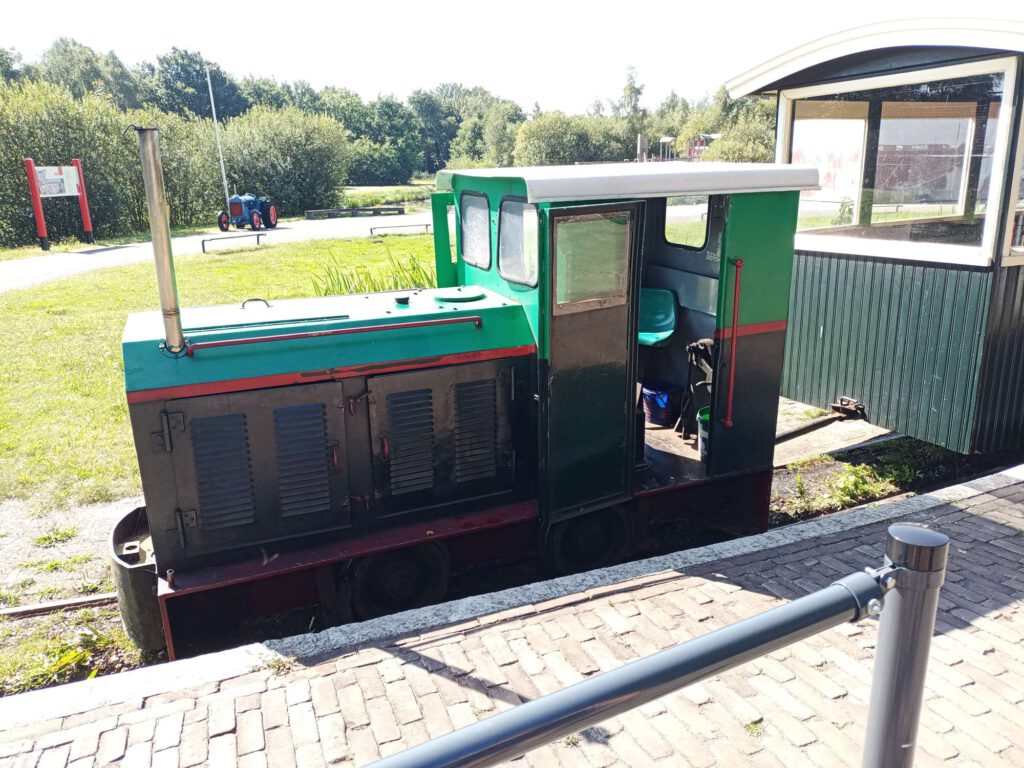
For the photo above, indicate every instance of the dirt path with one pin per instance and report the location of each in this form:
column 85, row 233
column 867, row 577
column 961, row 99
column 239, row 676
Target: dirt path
column 55, row 555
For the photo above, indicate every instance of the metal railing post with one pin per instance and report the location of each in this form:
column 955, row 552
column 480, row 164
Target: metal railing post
column 918, row 557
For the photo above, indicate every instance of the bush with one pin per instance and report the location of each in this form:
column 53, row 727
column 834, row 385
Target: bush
column 374, row 164
column 299, row 159
column 44, row 122
column 558, row 139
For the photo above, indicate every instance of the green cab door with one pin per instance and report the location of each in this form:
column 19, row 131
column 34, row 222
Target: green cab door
column 589, row 404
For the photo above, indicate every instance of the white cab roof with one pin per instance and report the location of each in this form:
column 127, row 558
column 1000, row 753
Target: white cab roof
column 609, row 181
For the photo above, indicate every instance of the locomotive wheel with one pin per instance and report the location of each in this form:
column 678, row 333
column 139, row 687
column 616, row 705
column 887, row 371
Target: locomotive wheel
column 223, row 222
column 589, row 541
column 398, row 580
column 254, row 220
column 269, row 215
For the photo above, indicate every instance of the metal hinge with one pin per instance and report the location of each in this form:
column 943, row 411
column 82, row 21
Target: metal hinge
column 186, row 520
column 508, row 378
column 169, row 422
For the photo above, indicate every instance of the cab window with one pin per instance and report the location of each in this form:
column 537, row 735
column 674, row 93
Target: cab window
column 591, row 258
column 517, row 242
column 476, row 230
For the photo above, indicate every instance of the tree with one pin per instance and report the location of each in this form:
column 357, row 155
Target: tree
column 83, row 71
column 628, row 106
column 553, row 138
column 500, row 125
column 178, row 84
column 263, row 92
column 347, row 108
column 72, row 65
column 388, row 149
column 751, row 139
column 302, row 95
column 469, row 142
column 439, row 124
column 465, row 101
column 120, row 83
column 10, row 61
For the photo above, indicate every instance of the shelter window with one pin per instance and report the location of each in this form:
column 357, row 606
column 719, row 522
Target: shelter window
column 476, row 230
column 1015, row 222
column 909, row 163
column 686, row 221
column 591, row 256
column 517, row 242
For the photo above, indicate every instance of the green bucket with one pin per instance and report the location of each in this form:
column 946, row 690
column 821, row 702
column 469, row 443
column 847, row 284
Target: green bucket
column 703, row 423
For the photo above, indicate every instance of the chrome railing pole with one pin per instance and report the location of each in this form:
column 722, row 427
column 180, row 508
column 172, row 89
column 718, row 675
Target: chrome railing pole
column 918, row 557
column 603, row 696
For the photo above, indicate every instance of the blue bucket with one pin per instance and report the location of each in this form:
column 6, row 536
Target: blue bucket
column 661, row 403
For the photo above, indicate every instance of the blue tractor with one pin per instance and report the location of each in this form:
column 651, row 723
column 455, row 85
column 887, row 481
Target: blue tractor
column 257, row 212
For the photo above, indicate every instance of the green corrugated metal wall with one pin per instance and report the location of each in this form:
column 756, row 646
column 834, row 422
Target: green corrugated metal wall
column 903, row 338
column 999, row 423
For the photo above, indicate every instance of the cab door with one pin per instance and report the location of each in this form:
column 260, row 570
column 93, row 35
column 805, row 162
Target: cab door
column 593, row 252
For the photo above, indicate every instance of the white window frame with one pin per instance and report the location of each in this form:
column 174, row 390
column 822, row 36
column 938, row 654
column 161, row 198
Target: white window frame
column 967, row 255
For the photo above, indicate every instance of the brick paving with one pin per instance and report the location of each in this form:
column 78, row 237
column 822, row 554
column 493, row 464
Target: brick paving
column 802, row 706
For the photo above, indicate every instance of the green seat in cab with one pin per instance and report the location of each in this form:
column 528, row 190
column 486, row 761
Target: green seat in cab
column 657, row 316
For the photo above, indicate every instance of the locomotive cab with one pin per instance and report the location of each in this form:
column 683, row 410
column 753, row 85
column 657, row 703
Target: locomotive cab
column 350, row 452
column 617, row 300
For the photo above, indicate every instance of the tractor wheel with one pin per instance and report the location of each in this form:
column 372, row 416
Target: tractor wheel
column 269, row 211
column 590, row 541
column 255, row 220
column 399, row 580
column 223, row 222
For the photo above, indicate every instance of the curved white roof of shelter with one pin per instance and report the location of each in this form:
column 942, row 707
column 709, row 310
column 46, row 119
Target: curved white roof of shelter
column 564, row 183
column 995, row 34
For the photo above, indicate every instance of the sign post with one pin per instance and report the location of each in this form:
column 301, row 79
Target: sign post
column 57, row 181
column 83, row 201
column 37, row 204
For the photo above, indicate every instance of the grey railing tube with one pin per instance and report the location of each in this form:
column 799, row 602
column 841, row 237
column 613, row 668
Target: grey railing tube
column 603, row 696
column 917, row 556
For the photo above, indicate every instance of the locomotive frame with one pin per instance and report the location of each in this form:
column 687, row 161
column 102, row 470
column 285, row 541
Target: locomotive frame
column 351, row 452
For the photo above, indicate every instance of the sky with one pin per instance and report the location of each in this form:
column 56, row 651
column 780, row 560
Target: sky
column 560, row 54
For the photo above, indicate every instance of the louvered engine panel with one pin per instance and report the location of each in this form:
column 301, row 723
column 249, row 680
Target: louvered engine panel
column 476, row 438
column 411, row 441
column 303, row 469
column 220, row 446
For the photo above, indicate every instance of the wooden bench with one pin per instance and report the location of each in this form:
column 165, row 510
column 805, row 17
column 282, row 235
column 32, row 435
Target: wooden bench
column 257, row 235
column 426, row 227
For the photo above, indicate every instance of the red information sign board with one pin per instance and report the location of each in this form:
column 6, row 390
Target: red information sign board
column 57, row 181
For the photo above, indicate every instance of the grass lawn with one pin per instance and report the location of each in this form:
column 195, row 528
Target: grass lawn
column 689, row 233
column 61, row 647
column 365, row 197
column 64, row 432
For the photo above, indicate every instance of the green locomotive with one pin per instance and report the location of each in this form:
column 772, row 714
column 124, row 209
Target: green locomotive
column 350, row 452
